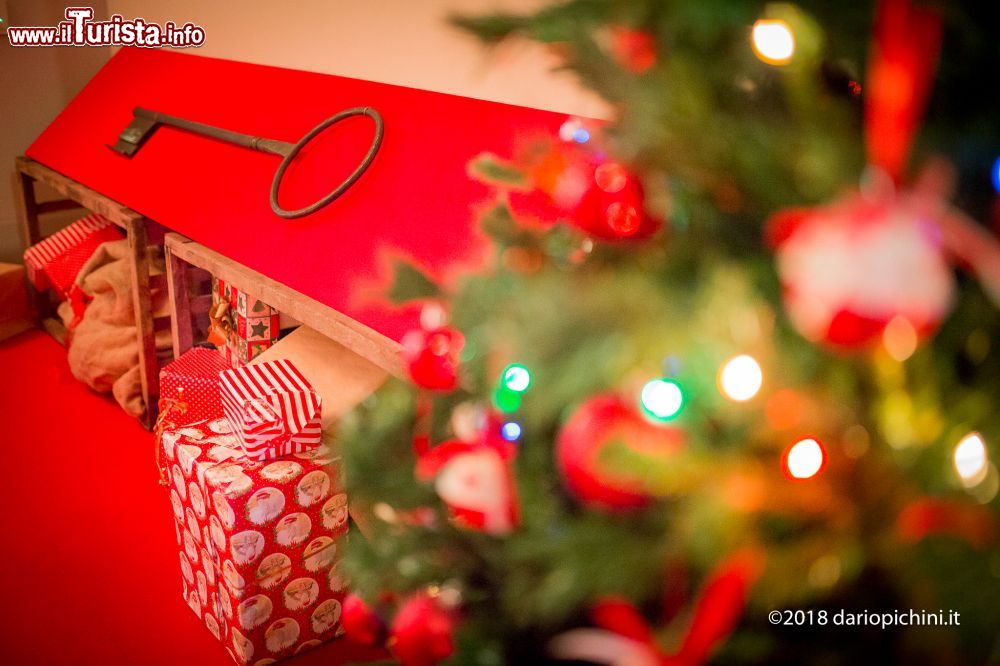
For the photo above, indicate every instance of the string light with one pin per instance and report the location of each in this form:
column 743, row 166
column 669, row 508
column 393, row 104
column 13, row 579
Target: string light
column 511, row 431
column 900, row 338
column 804, row 459
column 773, row 41
column 505, row 400
column 516, row 378
column 970, row 459
column 740, row 378
column 662, row 399
column 573, row 130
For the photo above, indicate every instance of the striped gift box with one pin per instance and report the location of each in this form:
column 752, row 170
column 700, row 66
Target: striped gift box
column 272, row 409
column 57, row 260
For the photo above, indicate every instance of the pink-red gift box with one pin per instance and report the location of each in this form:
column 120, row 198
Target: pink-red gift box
column 192, row 381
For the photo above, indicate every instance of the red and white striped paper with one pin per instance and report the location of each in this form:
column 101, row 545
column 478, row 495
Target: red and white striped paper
column 272, row 409
column 57, row 260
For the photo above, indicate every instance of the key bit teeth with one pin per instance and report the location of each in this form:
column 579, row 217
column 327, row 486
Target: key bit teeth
column 124, row 148
column 133, row 136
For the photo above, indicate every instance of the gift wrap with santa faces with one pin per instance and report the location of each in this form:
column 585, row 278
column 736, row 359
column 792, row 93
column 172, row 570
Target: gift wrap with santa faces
column 259, row 541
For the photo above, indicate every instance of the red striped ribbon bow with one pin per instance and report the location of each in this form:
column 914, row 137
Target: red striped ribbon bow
column 272, row 409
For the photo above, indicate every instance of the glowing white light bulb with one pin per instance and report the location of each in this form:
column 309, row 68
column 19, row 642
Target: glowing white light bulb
column 805, row 458
column 740, row 378
column 517, row 378
column 970, row 459
column 773, row 41
column 661, row 398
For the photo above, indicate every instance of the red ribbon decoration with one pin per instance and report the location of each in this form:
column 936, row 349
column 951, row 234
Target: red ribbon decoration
column 717, row 611
column 904, row 56
column 78, row 301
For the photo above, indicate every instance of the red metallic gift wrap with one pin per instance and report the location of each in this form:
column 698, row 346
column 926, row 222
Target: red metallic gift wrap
column 258, row 542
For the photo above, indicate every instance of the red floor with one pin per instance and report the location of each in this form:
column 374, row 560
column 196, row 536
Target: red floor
column 89, row 570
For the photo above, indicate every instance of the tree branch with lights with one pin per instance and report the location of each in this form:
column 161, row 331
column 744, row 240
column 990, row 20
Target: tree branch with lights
column 705, row 375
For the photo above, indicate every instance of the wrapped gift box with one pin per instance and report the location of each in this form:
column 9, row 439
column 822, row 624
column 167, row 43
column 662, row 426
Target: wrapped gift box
column 251, row 326
column 192, row 381
column 272, row 409
column 258, row 542
column 341, row 378
column 56, row 261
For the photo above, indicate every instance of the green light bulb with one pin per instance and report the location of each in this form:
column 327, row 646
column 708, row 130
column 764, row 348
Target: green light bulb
column 505, row 400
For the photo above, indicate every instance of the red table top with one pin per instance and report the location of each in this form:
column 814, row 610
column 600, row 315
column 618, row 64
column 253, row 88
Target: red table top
column 416, row 200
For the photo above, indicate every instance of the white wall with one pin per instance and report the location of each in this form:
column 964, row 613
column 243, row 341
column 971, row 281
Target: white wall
column 406, row 42
column 35, row 85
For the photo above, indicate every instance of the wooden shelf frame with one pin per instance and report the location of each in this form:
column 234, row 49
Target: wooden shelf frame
column 138, row 230
column 187, row 307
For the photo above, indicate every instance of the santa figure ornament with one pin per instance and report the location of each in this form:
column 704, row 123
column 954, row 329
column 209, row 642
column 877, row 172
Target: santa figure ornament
column 475, row 480
column 851, row 268
column 871, row 266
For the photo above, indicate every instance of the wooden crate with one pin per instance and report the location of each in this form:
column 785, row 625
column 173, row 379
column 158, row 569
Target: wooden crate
column 190, row 267
column 139, row 231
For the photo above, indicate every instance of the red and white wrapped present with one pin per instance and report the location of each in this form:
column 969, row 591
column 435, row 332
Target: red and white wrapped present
column 192, row 383
column 56, row 261
column 258, row 541
column 272, row 409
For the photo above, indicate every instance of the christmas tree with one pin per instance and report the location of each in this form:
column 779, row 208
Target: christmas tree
column 735, row 354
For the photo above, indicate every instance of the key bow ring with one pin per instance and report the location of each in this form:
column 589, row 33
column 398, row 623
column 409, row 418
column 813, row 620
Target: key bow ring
column 144, row 122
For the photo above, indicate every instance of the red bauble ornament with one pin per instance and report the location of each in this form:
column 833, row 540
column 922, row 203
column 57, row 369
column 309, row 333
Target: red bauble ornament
column 600, row 197
column 634, row 50
column 361, row 624
column 612, row 207
column 422, row 632
column 432, row 357
column 597, row 423
column 850, row 268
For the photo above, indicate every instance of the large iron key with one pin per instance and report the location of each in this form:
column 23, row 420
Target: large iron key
column 145, row 121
